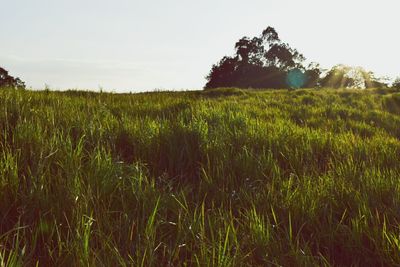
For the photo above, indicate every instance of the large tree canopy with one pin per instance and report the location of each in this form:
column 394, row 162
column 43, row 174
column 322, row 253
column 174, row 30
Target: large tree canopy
column 9, row 81
column 263, row 62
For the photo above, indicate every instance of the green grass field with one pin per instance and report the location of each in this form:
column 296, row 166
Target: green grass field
column 224, row 177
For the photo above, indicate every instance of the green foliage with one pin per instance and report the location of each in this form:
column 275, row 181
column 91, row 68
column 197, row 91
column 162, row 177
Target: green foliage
column 221, row 177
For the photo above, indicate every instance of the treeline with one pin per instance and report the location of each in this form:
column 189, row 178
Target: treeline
column 268, row 62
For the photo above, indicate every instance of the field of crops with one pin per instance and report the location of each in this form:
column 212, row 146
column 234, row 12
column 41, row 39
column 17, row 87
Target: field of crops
column 223, row 177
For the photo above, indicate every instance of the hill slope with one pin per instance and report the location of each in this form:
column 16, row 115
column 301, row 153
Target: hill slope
column 215, row 178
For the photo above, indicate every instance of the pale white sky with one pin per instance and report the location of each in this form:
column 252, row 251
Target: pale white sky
column 136, row 45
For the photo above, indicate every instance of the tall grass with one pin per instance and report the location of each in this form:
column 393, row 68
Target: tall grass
column 216, row 178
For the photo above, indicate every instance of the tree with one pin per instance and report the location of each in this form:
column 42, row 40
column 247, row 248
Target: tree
column 313, row 74
column 342, row 76
column 262, row 62
column 222, row 74
column 249, row 51
column 9, row 81
column 396, row 83
column 336, row 77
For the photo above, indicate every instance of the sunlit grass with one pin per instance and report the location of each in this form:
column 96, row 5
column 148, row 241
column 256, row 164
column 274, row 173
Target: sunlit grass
column 224, row 177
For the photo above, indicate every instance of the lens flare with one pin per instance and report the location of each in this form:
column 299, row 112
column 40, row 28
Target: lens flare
column 296, row 78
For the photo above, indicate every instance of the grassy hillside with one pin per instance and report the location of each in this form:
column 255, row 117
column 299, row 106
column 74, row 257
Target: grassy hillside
column 215, row 178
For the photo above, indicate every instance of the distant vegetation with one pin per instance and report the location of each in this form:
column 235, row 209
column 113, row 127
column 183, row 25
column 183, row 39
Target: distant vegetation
column 223, row 177
column 8, row 81
column 268, row 62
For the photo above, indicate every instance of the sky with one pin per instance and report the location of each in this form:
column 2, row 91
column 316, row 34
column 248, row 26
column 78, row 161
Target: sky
column 132, row 46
